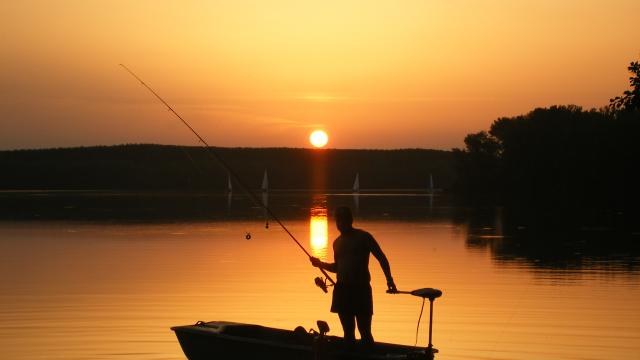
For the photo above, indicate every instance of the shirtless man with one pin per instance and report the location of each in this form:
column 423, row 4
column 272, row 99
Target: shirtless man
column 352, row 298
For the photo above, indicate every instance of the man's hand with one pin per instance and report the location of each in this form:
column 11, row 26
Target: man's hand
column 315, row 261
column 391, row 287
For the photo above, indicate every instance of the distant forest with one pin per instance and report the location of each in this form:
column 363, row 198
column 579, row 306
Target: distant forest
column 184, row 168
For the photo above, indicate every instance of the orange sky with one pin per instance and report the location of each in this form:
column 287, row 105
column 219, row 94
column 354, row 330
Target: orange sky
column 373, row 74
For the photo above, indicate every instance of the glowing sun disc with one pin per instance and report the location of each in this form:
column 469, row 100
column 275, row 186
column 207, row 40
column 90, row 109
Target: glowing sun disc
column 318, row 138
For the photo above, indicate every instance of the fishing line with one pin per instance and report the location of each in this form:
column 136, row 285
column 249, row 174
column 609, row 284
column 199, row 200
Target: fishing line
column 233, row 174
column 193, row 163
column 418, row 326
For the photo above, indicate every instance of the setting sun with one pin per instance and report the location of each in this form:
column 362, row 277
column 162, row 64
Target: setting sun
column 318, row 138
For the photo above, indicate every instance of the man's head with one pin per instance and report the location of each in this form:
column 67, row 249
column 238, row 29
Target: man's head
column 344, row 219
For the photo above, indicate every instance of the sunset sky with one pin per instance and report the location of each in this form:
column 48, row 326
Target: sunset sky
column 372, row 74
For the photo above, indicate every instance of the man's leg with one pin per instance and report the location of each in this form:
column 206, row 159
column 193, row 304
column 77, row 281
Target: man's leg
column 364, row 327
column 348, row 326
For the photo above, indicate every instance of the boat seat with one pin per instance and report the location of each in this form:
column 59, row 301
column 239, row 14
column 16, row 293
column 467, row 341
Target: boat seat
column 302, row 336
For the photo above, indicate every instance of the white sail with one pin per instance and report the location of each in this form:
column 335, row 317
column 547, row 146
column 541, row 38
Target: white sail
column 356, row 183
column 265, row 181
column 229, row 186
column 265, row 202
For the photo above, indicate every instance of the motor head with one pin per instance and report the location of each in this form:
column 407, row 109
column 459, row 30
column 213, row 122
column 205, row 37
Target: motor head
column 427, row 293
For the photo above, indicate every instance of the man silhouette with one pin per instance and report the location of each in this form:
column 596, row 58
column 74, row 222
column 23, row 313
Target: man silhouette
column 352, row 298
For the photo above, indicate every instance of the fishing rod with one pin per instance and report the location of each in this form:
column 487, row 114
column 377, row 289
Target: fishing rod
column 322, row 284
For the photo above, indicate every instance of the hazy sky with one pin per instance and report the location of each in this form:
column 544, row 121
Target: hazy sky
column 373, row 74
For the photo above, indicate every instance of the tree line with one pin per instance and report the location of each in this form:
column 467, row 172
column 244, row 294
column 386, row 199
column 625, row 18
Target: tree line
column 191, row 168
column 562, row 156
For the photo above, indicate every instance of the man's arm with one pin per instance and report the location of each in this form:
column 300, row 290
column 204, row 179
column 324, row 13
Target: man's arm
column 384, row 263
column 323, row 265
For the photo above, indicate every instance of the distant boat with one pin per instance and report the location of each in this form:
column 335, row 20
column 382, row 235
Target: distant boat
column 265, row 181
column 229, row 186
column 356, row 183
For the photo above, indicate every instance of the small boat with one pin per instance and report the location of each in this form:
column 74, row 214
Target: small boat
column 230, row 340
column 265, row 182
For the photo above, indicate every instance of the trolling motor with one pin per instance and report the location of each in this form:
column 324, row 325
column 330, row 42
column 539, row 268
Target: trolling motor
column 424, row 293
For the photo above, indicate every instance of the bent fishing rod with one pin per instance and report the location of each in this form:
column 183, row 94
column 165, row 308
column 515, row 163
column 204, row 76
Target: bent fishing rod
column 322, row 284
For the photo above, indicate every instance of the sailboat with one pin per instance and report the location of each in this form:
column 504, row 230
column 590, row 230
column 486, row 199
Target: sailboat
column 265, row 182
column 356, row 183
column 265, row 198
column 229, row 191
column 430, row 192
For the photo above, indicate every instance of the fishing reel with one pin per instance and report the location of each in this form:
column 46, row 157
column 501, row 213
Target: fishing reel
column 322, row 283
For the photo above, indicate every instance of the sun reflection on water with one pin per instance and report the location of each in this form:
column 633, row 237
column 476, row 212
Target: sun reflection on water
column 318, row 227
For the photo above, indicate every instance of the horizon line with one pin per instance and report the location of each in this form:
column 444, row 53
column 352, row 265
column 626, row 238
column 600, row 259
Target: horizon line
column 220, row 147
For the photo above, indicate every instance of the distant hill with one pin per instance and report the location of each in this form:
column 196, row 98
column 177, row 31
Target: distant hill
column 184, row 168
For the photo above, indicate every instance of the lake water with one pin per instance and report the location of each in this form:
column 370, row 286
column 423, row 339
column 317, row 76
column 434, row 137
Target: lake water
column 103, row 288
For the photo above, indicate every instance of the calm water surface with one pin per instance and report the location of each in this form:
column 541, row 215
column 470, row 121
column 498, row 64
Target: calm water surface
column 111, row 290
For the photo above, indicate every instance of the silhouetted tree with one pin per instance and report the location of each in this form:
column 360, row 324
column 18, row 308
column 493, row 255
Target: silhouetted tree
column 560, row 157
column 478, row 166
column 483, row 145
column 630, row 100
column 560, row 162
column 553, row 154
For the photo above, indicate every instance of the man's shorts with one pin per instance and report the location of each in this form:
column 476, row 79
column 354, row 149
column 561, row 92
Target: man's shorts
column 352, row 299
